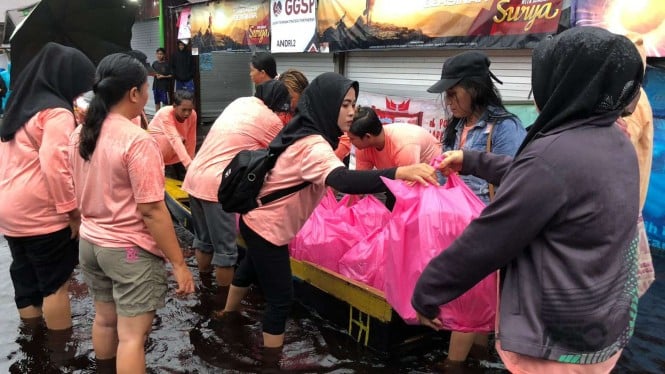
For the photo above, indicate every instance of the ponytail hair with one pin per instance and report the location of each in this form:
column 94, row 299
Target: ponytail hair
column 116, row 75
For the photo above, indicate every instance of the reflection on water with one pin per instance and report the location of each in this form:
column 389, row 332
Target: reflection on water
column 186, row 339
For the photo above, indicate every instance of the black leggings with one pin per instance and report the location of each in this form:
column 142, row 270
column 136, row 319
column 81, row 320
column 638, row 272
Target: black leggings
column 269, row 266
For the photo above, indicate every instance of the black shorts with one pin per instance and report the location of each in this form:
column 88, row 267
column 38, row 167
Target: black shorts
column 40, row 265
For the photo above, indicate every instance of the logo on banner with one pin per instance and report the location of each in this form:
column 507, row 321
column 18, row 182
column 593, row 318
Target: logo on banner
column 258, row 34
column 277, row 8
column 398, row 107
column 527, row 13
column 299, row 6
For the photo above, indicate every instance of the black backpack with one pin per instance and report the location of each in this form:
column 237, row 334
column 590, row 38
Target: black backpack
column 242, row 180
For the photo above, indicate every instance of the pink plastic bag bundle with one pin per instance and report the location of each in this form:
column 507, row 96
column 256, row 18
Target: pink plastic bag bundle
column 365, row 261
column 368, row 214
column 336, row 226
column 426, row 220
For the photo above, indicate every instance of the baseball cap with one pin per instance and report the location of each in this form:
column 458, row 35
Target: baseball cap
column 463, row 65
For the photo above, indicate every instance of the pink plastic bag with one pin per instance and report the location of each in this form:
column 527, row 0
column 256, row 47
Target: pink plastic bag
column 426, row 220
column 365, row 261
column 328, row 233
column 369, row 213
column 335, row 227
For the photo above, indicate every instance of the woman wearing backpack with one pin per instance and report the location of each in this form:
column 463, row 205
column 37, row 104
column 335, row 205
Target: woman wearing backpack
column 307, row 144
column 246, row 123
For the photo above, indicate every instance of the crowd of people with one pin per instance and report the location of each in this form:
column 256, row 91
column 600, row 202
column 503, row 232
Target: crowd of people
column 561, row 223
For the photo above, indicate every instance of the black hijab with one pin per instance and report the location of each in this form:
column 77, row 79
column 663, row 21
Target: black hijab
column 52, row 79
column 318, row 111
column 583, row 75
column 275, row 95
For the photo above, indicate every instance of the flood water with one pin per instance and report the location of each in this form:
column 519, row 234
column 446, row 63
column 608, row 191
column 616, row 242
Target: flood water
column 186, row 340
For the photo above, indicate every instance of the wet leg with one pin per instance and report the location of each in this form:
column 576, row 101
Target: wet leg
column 236, row 294
column 57, row 310
column 30, row 313
column 203, row 261
column 104, row 331
column 224, row 275
column 132, row 333
column 460, row 345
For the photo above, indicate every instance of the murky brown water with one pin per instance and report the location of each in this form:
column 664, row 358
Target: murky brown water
column 186, row 340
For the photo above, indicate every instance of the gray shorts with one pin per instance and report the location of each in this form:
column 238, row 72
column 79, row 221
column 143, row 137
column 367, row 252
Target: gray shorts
column 214, row 231
column 132, row 278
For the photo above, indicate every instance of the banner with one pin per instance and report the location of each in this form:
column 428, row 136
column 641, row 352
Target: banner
column 429, row 114
column 646, row 17
column 231, row 25
column 293, row 26
column 654, row 209
column 353, row 24
column 184, row 25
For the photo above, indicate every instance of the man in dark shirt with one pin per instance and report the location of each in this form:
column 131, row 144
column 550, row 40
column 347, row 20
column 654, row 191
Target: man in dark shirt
column 162, row 80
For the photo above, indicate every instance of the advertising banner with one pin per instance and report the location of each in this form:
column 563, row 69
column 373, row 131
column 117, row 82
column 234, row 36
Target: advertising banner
column 231, row 25
column 293, row 26
column 184, row 26
column 429, row 114
column 654, row 209
column 646, row 17
column 352, row 24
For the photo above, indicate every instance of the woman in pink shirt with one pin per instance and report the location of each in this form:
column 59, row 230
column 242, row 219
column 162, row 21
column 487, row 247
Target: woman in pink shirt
column 308, row 141
column 38, row 214
column 174, row 128
column 126, row 230
column 246, row 123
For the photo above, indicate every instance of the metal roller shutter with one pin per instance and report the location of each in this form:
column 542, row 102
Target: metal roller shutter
column 410, row 73
column 224, row 77
column 145, row 38
column 310, row 64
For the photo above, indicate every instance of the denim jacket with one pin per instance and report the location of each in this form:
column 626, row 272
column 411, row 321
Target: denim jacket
column 507, row 136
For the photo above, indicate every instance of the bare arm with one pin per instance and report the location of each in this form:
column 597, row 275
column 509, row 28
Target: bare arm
column 157, row 219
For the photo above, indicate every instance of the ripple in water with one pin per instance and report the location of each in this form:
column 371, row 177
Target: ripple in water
column 185, row 339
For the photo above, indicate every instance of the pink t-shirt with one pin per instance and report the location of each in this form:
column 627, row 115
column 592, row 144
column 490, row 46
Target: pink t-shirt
column 125, row 170
column 308, row 159
column 177, row 140
column 344, row 147
column 405, row 144
column 246, row 123
column 36, row 182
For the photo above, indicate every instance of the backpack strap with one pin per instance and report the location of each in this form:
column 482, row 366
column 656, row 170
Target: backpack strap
column 488, row 149
column 269, row 198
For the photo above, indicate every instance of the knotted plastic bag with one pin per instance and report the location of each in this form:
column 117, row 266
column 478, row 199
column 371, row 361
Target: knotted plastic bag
column 425, row 221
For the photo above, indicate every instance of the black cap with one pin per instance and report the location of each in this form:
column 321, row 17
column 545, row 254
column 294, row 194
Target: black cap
column 463, row 65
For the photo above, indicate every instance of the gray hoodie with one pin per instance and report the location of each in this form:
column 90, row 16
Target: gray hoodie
column 562, row 229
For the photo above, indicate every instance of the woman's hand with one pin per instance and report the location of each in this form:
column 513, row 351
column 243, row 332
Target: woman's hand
column 451, row 162
column 421, row 173
column 434, row 323
column 74, row 223
column 184, row 279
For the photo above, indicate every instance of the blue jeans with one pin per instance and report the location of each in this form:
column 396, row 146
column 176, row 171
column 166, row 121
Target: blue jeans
column 184, row 85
